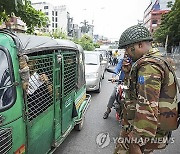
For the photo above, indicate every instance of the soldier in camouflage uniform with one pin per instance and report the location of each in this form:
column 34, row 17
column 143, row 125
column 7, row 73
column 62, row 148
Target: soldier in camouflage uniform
column 149, row 113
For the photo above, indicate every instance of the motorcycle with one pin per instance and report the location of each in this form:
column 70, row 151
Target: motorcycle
column 119, row 96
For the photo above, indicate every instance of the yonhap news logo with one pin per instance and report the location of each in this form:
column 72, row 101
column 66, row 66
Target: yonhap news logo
column 103, row 140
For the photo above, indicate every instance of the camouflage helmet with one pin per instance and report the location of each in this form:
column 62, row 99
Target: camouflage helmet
column 133, row 35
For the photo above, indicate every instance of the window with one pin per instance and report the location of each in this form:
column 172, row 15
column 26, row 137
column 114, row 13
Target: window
column 56, row 19
column 53, row 13
column 52, row 24
column 56, row 13
column 45, row 7
column 154, row 22
column 6, row 87
column 46, row 13
column 56, row 25
column 92, row 59
column 52, row 18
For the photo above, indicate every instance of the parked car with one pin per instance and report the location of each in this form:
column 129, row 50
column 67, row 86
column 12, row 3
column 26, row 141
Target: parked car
column 105, row 56
column 94, row 70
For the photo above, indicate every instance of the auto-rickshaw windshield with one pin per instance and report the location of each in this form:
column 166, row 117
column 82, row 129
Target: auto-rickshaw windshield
column 5, row 81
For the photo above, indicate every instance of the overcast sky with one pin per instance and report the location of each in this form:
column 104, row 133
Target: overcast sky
column 110, row 17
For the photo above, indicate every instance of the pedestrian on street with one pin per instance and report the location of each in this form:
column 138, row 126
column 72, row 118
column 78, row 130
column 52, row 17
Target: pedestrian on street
column 151, row 96
column 123, row 63
column 115, row 57
column 110, row 57
column 117, row 70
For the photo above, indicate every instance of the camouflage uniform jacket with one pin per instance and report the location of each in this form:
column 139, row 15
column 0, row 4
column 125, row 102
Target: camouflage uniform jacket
column 151, row 82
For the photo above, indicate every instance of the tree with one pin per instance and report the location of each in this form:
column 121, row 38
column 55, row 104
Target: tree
column 96, row 45
column 169, row 4
column 75, row 40
column 161, row 33
column 170, row 26
column 7, row 7
column 85, row 27
column 87, row 43
column 25, row 11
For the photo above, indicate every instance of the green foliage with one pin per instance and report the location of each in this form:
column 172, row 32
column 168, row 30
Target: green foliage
column 170, row 26
column 58, row 34
column 6, row 10
column 75, row 40
column 26, row 12
column 44, row 34
column 87, row 43
column 169, row 4
column 3, row 17
column 96, row 45
column 161, row 33
column 31, row 17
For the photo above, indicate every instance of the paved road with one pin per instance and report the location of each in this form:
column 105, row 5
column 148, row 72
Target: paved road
column 84, row 142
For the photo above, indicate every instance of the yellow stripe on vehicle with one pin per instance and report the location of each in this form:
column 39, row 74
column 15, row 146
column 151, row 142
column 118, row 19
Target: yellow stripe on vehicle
column 81, row 101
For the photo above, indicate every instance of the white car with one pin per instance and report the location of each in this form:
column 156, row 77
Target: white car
column 105, row 56
column 94, row 70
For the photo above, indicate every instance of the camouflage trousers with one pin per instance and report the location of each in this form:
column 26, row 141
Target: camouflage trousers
column 123, row 143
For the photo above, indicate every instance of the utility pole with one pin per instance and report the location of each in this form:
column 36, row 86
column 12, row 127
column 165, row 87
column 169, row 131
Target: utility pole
column 166, row 43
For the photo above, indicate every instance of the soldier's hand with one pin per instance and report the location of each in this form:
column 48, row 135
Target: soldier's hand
column 126, row 66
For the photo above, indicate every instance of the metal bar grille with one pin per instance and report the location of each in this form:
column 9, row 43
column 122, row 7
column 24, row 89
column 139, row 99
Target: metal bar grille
column 69, row 72
column 5, row 140
column 40, row 94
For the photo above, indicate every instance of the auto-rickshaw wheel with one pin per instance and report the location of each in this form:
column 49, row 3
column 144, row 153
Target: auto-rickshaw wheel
column 79, row 126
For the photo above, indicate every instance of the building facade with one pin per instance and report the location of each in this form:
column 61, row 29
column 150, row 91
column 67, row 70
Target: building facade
column 153, row 14
column 58, row 16
column 60, row 19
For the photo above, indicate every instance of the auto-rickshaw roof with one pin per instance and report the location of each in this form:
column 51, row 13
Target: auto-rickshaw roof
column 80, row 48
column 27, row 44
column 33, row 43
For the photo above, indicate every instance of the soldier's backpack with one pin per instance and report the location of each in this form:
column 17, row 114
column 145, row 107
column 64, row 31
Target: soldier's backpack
column 172, row 68
column 168, row 62
column 169, row 113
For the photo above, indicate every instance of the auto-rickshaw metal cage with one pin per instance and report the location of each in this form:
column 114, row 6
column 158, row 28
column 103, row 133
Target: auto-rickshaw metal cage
column 69, row 72
column 40, row 91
